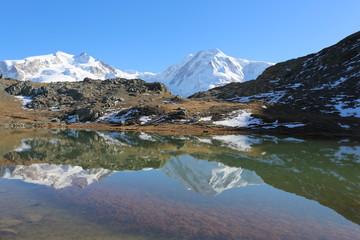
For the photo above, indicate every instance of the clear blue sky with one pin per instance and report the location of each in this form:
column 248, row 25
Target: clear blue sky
column 149, row 35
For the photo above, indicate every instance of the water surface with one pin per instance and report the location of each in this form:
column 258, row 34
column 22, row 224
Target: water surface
column 116, row 185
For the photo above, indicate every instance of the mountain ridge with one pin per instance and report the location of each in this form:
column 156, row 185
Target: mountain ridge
column 196, row 72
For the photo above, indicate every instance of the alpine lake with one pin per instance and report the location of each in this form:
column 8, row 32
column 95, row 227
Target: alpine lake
column 79, row 184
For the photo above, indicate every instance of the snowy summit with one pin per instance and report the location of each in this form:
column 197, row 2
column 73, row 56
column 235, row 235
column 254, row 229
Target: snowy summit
column 207, row 69
column 59, row 67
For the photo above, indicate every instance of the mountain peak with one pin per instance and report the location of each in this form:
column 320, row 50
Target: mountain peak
column 60, row 53
column 212, row 52
column 83, row 58
column 207, row 69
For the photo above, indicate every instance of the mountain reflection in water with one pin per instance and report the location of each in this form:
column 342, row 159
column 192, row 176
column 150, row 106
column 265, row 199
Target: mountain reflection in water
column 326, row 171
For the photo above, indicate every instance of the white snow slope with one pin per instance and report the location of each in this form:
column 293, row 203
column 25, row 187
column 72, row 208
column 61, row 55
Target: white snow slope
column 199, row 72
column 207, row 69
column 60, row 67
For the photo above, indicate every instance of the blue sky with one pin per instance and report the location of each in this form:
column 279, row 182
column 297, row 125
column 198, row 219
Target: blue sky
column 149, row 35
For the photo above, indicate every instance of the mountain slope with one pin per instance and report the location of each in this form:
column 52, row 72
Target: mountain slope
column 325, row 84
column 199, row 72
column 207, row 69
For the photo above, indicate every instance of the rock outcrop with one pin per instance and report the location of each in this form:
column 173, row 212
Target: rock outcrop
column 89, row 99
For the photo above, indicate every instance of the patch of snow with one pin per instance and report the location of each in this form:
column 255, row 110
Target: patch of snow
column 341, row 80
column 296, row 85
column 145, row 119
column 271, row 97
column 345, row 111
column 25, row 100
column 294, row 125
column 205, row 118
column 162, row 118
column 57, row 108
column 113, row 117
column 239, row 118
column 344, row 125
column 318, row 88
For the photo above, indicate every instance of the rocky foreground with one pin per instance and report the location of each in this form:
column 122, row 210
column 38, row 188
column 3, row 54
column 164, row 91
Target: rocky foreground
column 313, row 95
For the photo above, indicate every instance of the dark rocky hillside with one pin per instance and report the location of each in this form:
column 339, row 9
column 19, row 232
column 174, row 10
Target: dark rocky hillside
column 325, row 83
column 331, row 72
column 88, row 99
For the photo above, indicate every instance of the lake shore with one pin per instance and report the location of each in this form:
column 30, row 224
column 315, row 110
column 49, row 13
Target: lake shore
column 196, row 129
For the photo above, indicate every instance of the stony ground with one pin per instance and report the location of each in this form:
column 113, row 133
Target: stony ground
column 122, row 105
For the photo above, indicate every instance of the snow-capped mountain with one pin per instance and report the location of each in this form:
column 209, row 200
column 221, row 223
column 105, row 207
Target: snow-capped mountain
column 207, row 69
column 208, row 178
column 56, row 176
column 60, row 66
column 199, row 72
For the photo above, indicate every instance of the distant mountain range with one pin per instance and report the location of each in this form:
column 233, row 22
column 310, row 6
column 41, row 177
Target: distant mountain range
column 202, row 71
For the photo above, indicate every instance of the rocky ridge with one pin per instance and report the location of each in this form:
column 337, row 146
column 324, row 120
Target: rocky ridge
column 87, row 100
